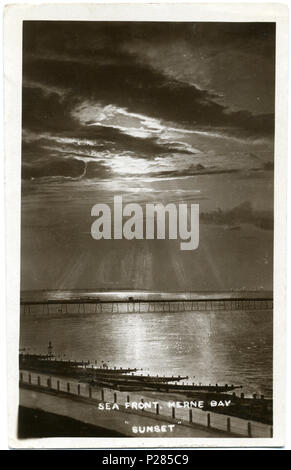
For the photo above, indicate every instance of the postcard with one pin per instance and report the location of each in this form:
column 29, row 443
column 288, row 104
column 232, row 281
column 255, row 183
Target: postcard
column 145, row 149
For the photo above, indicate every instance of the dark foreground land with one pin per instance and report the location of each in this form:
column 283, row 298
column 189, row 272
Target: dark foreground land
column 38, row 424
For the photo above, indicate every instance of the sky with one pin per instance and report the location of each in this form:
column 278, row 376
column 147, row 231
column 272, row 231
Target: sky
column 154, row 112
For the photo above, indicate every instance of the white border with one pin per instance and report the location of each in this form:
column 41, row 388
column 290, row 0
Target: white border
column 14, row 15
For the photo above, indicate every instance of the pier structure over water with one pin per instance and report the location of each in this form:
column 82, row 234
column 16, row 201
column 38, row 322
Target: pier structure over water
column 51, row 303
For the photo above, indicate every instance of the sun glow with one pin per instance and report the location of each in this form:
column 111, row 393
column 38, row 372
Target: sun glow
column 126, row 165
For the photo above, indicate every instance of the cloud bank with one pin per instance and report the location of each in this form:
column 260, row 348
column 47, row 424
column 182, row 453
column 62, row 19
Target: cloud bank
column 95, row 93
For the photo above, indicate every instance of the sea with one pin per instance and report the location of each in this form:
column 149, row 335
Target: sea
column 211, row 347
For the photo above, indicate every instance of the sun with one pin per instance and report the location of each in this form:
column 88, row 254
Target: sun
column 128, row 165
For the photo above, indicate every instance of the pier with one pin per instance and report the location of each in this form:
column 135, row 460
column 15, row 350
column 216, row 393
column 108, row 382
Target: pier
column 57, row 303
column 82, row 402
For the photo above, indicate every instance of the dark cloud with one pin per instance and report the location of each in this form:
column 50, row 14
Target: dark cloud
column 48, row 154
column 70, row 65
column 242, row 214
column 91, row 62
column 45, row 113
column 71, row 168
column 193, row 170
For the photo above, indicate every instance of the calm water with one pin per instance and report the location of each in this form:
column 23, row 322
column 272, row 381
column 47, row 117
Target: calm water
column 221, row 347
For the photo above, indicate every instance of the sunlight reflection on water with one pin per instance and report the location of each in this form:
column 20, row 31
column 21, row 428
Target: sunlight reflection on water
column 210, row 347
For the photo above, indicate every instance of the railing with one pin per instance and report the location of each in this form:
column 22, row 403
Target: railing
column 137, row 403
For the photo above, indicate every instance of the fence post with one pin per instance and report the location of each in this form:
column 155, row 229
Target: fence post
column 190, row 416
column 158, row 409
column 173, row 412
column 58, row 385
column 38, row 380
column 21, row 377
column 228, row 424
column 115, row 397
column 127, row 399
column 68, row 386
column 249, row 429
column 29, row 378
column 79, row 389
column 102, row 394
column 48, row 382
column 208, row 420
